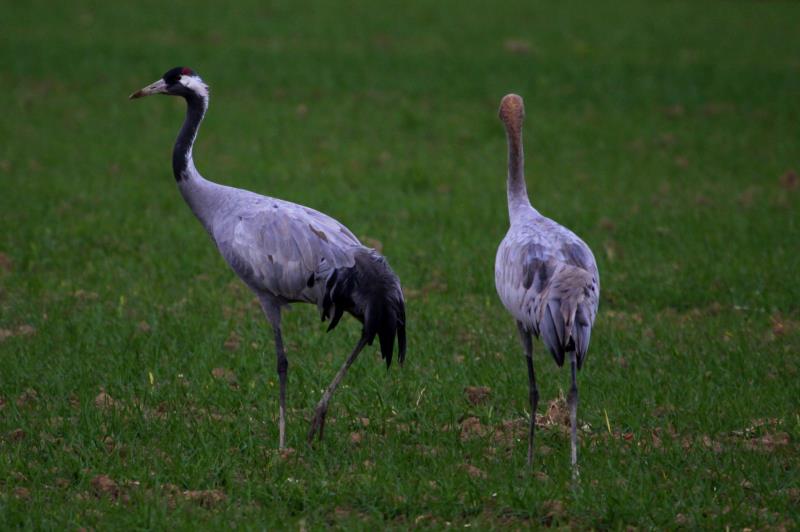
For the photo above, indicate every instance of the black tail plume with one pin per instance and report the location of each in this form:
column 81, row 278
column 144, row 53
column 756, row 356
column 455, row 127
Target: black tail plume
column 370, row 291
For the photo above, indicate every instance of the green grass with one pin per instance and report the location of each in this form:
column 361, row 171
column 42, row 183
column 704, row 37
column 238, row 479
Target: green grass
column 657, row 131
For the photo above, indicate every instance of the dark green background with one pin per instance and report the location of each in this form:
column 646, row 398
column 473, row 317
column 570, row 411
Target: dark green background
column 664, row 133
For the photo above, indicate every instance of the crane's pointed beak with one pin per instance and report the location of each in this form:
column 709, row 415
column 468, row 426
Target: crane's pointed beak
column 159, row 87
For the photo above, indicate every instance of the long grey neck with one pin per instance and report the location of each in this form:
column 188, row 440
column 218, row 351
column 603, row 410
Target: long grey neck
column 182, row 163
column 517, row 191
column 202, row 196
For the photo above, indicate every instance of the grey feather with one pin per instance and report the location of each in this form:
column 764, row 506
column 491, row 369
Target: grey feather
column 286, row 252
column 294, row 253
column 547, row 278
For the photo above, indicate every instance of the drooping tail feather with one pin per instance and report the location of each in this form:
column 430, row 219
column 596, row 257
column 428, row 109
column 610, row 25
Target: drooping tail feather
column 567, row 311
column 370, row 291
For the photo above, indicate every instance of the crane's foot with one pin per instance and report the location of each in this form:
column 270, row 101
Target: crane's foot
column 317, row 423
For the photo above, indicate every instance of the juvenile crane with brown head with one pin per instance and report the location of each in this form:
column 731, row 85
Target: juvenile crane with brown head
column 546, row 278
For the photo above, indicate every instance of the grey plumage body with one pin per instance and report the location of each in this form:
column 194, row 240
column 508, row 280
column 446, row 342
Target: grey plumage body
column 546, row 277
column 276, row 247
column 285, row 252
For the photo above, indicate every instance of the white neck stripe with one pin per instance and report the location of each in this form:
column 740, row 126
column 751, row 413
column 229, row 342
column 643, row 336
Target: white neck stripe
column 196, row 85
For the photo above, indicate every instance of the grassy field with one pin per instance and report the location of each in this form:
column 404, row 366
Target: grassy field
column 137, row 382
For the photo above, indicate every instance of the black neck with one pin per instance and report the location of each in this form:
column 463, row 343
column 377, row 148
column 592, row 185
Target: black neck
column 182, row 152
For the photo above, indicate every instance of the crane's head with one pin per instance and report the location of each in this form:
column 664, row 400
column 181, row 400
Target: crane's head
column 179, row 81
column 512, row 110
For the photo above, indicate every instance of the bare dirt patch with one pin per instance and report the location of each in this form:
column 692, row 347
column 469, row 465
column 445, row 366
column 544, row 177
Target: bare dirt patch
column 205, row 498
column 768, row 442
column 287, row 453
column 508, row 432
column 473, row 471
column 16, row 435
column 477, row 395
column 518, row 46
column 763, row 435
column 5, row 262
column 20, row 330
column 472, row 427
column 225, row 375
column 789, row 180
column 553, row 510
column 85, row 295
column 27, row 398
column 233, row 342
column 556, row 415
column 606, row 224
column 104, row 401
column 104, row 485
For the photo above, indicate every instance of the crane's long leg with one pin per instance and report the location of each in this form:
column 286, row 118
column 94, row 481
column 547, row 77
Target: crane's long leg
column 273, row 313
column 533, row 391
column 318, row 423
column 572, row 401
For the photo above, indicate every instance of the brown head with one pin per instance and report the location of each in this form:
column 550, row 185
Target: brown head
column 512, row 111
